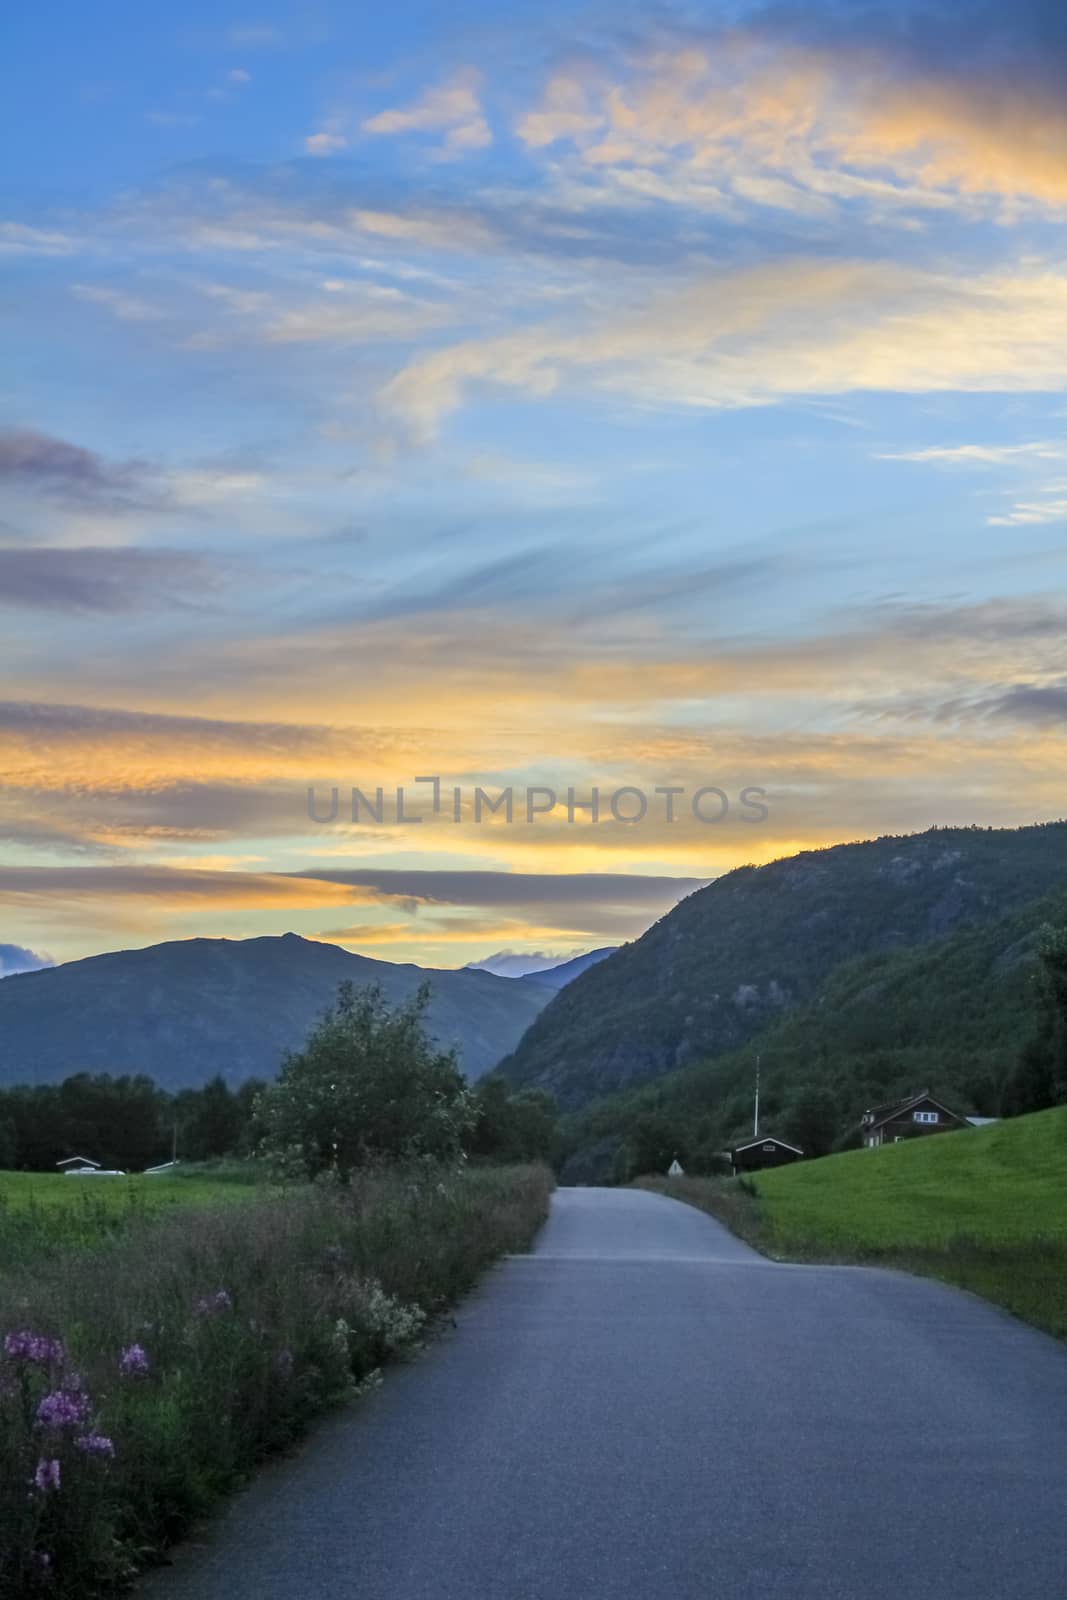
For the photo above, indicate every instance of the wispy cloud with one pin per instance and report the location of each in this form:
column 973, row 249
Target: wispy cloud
column 752, row 337
column 982, row 455
column 104, row 580
column 453, row 108
column 71, row 473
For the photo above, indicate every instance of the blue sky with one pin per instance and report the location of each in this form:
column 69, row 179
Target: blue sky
column 579, row 396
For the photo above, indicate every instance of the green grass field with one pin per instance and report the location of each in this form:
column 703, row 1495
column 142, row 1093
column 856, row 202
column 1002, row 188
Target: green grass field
column 42, row 1213
column 1002, row 1185
column 985, row 1209
column 29, row 1189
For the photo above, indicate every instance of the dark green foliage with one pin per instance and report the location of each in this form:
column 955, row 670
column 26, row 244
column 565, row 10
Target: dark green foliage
column 761, row 944
column 654, row 1141
column 511, row 1127
column 369, row 1085
column 811, row 1120
column 127, row 1123
column 1041, row 1078
column 185, row 1011
column 951, row 1015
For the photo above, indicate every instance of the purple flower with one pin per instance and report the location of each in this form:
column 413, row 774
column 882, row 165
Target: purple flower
column 133, row 1363
column 47, row 1476
column 212, row 1303
column 34, row 1349
column 95, row 1444
column 63, row 1408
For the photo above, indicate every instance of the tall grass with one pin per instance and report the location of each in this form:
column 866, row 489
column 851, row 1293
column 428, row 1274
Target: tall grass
column 146, row 1371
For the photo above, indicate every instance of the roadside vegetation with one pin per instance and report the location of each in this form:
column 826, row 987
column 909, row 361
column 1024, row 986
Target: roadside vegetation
column 162, row 1335
column 985, row 1209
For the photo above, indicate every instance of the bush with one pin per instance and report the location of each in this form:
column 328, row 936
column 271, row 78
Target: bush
column 143, row 1377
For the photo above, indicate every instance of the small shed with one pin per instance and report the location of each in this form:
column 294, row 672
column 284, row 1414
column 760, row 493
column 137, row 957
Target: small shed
column 765, row 1151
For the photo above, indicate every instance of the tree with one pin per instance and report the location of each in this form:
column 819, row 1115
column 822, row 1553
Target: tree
column 210, row 1121
column 1040, row 1079
column 812, row 1121
column 369, row 1085
column 654, row 1141
column 512, row 1127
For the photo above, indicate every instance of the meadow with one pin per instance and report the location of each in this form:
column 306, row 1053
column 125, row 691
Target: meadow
column 159, row 1337
column 44, row 1212
column 985, row 1209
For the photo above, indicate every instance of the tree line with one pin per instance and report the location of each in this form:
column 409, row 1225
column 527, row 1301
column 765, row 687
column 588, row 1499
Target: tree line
column 368, row 1086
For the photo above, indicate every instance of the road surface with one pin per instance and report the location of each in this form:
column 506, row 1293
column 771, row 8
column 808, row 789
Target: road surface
column 644, row 1407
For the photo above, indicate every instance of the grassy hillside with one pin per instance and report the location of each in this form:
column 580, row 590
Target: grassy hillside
column 983, row 1208
column 734, row 958
column 185, row 1010
column 950, row 1015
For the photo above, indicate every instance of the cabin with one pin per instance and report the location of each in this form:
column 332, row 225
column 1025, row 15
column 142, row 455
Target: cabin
column 766, row 1151
column 907, row 1119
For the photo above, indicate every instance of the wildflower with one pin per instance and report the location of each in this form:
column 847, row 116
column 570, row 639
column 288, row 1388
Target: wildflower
column 63, row 1408
column 47, row 1476
column 95, row 1444
column 212, row 1303
column 133, row 1363
column 35, row 1349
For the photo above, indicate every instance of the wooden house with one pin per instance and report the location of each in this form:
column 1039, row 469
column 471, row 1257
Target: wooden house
column 766, row 1151
column 907, row 1119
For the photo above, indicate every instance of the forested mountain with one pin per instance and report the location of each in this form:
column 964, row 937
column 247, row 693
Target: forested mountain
column 756, row 944
column 952, row 1016
column 183, row 1011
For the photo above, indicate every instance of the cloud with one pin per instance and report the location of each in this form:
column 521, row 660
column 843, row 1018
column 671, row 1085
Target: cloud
column 325, row 143
column 170, row 886
column 453, row 108
column 126, row 307
column 822, row 103
column 1050, row 507
column 982, row 455
column 1029, row 703
column 773, row 332
column 486, row 889
column 255, row 36
column 70, row 473
column 103, row 580
column 21, row 239
column 14, row 958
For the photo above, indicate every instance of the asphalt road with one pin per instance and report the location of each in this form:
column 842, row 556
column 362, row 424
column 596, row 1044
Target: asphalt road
column 644, row 1407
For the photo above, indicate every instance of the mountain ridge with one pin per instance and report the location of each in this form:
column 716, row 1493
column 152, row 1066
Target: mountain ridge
column 733, row 956
column 183, row 1010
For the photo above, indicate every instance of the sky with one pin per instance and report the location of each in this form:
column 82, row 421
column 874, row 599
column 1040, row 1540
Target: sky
column 544, row 398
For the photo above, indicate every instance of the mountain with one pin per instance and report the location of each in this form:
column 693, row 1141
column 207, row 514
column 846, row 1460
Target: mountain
column 950, row 1015
column 183, row 1011
column 737, row 955
column 565, row 972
